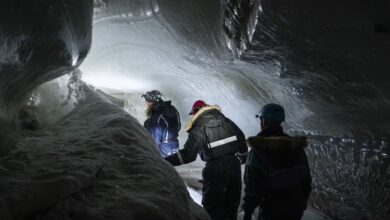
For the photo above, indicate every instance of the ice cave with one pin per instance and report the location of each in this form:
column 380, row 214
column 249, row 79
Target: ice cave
column 72, row 73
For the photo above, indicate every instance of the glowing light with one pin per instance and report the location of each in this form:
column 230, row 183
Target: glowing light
column 75, row 58
column 115, row 82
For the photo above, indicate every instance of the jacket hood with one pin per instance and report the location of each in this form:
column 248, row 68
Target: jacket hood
column 211, row 123
column 160, row 105
column 277, row 143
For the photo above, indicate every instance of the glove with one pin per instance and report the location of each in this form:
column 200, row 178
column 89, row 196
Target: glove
column 241, row 157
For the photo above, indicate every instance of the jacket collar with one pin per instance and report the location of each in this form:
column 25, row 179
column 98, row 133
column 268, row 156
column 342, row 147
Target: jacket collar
column 274, row 139
column 197, row 115
column 274, row 130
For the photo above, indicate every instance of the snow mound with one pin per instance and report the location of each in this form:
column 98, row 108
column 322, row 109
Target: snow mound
column 96, row 163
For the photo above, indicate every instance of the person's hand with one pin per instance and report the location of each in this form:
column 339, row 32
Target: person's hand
column 241, row 157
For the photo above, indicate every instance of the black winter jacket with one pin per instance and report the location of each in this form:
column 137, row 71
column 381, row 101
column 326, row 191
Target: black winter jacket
column 277, row 175
column 211, row 135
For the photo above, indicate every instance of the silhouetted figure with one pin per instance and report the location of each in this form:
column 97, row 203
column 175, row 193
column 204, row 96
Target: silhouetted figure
column 277, row 174
column 219, row 142
column 163, row 122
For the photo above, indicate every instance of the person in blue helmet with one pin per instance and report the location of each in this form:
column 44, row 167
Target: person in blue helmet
column 163, row 122
column 277, row 174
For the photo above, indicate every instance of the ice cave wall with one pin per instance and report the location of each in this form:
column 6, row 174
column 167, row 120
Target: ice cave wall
column 335, row 53
column 40, row 40
column 330, row 56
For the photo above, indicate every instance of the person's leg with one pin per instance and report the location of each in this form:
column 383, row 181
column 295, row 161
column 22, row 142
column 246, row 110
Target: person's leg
column 214, row 191
column 233, row 199
column 233, row 193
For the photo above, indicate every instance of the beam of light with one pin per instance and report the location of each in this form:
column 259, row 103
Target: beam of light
column 116, row 82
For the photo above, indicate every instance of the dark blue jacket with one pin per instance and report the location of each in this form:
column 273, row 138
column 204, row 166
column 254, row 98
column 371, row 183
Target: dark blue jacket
column 277, row 175
column 164, row 126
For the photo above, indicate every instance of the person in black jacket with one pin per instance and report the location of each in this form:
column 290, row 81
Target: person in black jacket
column 220, row 143
column 277, row 174
column 163, row 123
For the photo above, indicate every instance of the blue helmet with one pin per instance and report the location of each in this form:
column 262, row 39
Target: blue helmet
column 273, row 113
column 153, row 96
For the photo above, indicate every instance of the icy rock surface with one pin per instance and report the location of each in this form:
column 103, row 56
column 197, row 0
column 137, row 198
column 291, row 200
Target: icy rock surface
column 39, row 41
column 334, row 53
column 350, row 176
column 96, row 163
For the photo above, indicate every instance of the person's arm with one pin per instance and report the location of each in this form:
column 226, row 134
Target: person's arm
column 191, row 148
column 163, row 128
column 243, row 147
column 241, row 140
column 255, row 181
column 157, row 135
column 154, row 129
